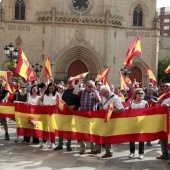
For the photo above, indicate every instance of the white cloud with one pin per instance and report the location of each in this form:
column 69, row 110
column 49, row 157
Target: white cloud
column 163, row 3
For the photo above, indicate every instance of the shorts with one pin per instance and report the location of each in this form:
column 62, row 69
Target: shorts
column 3, row 121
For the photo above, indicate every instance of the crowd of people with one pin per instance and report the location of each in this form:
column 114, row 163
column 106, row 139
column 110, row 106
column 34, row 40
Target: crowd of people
column 88, row 96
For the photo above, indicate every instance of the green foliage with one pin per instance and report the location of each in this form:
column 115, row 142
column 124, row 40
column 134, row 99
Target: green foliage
column 10, row 65
column 162, row 66
column 18, row 79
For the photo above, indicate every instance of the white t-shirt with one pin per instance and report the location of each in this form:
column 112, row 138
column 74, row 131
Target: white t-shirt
column 50, row 100
column 32, row 100
column 166, row 101
column 142, row 104
column 115, row 100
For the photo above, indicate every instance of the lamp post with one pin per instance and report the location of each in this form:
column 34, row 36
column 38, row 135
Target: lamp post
column 37, row 69
column 12, row 56
column 125, row 71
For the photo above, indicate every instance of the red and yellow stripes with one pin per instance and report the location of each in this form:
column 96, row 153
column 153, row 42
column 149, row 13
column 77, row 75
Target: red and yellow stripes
column 7, row 110
column 132, row 125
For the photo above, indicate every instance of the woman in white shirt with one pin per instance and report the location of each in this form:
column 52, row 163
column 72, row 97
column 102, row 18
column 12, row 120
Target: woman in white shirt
column 33, row 99
column 50, row 98
column 137, row 102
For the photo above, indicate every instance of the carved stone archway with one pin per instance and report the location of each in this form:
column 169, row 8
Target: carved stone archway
column 80, row 53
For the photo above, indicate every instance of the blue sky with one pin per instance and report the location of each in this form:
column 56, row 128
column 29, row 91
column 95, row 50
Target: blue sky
column 163, row 3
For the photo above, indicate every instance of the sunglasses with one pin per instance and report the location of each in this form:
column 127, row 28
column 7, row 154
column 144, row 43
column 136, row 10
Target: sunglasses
column 140, row 93
column 167, row 86
column 23, row 87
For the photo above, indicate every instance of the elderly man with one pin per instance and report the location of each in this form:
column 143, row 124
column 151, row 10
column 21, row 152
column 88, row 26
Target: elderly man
column 165, row 101
column 4, row 94
column 109, row 98
column 89, row 97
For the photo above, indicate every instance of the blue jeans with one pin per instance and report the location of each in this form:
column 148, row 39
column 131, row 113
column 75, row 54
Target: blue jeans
column 164, row 147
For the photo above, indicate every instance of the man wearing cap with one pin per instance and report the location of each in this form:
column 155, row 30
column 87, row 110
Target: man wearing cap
column 4, row 94
column 73, row 102
column 89, row 98
column 165, row 101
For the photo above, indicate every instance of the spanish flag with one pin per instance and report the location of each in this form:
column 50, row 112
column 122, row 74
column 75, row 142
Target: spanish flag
column 133, row 50
column 109, row 113
column 78, row 77
column 104, row 76
column 47, row 68
column 123, row 84
column 127, row 80
column 24, row 68
column 5, row 85
column 149, row 73
column 98, row 77
column 167, row 71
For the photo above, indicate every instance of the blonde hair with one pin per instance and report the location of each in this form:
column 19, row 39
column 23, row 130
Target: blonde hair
column 137, row 90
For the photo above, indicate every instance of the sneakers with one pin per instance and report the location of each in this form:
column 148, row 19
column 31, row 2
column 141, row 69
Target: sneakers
column 7, row 136
column 42, row 145
column 131, row 155
column 162, row 157
column 69, row 148
column 107, row 155
column 58, row 148
column 52, row 146
column 140, row 156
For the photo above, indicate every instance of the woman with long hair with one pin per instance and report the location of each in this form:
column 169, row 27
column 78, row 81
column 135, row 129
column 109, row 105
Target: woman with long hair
column 50, row 98
column 137, row 102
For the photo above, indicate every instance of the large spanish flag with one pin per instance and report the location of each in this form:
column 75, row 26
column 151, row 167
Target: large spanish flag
column 47, row 69
column 133, row 50
column 149, row 73
column 167, row 71
column 132, row 125
column 24, row 68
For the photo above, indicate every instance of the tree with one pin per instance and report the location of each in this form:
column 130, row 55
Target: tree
column 162, row 65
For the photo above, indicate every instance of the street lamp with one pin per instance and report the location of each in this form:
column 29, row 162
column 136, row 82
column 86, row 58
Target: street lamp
column 125, row 71
column 12, row 56
column 37, row 68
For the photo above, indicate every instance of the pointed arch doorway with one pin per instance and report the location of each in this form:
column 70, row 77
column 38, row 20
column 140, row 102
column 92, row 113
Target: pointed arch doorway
column 77, row 67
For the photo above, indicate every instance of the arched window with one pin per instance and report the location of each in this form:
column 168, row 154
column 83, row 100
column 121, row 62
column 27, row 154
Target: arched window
column 19, row 10
column 137, row 17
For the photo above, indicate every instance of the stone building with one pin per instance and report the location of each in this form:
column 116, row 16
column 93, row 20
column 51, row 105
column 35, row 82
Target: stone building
column 82, row 35
column 164, row 46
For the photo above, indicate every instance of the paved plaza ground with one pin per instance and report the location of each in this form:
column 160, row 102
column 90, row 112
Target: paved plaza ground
column 18, row 156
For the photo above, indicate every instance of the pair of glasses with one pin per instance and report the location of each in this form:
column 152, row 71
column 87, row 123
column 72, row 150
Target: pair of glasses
column 90, row 86
column 23, row 87
column 140, row 93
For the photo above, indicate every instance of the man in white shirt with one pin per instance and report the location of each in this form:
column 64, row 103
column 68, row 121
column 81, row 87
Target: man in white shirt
column 108, row 98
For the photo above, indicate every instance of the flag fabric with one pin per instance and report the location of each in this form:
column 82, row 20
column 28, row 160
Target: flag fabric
column 133, row 50
column 109, row 113
column 98, row 77
column 167, row 71
column 149, row 73
column 127, row 80
column 47, row 69
column 5, row 85
column 78, row 77
column 123, row 84
column 47, row 122
column 24, row 68
column 104, row 76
